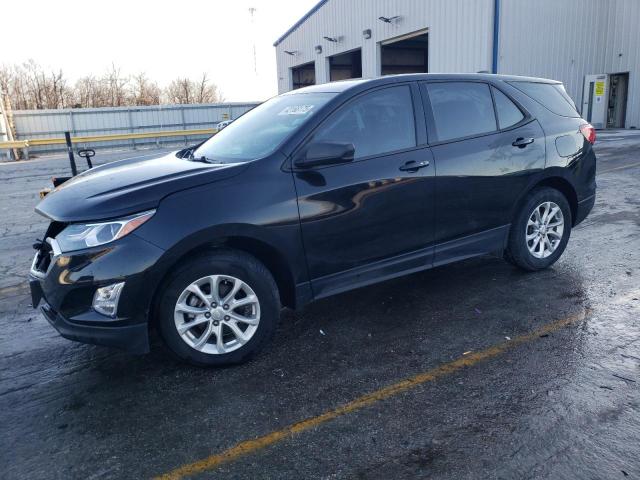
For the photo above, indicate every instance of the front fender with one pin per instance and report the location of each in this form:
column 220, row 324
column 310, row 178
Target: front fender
column 260, row 205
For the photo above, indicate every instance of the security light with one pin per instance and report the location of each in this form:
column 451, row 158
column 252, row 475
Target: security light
column 389, row 19
column 291, row 52
column 331, row 39
column 318, row 48
column 366, row 33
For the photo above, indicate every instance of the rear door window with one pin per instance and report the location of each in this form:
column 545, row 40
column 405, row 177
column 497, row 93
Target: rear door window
column 376, row 123
column 552, row 96
column 461, row 109
column 508, row 112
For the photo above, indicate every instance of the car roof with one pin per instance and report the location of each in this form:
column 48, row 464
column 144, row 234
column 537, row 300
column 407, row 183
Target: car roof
column 344, row 85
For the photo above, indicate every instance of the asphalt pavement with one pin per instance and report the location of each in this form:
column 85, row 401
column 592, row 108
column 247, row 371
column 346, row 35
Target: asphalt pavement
column 468, row 371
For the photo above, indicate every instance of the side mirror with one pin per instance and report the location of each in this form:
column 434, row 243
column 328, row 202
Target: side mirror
column 325, row 153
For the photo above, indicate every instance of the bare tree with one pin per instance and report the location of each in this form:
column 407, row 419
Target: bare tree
column 144, row 91
column 5, row 79
column 185, row 90
column 207, row 93
column 116, row 86
column 180, row 90
column 16, row 87
column 35, row 83
column 89, row 93
column 59, row 95
column 29, row 86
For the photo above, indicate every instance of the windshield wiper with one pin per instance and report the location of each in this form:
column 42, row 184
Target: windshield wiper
column 201, row 159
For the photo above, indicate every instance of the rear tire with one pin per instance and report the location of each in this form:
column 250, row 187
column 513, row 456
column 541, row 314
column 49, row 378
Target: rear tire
column 196, row 307
column 540, row 231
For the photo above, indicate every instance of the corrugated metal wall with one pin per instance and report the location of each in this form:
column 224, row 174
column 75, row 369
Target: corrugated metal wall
column 623, row 52
column 560, row 39
column 569, row 39
column 563, row 40
column 460, row 33
column 32, row 124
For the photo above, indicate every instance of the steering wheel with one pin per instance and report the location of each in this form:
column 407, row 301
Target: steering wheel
column 87, row 154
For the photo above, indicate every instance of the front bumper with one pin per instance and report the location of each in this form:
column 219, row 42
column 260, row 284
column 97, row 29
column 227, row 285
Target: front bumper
column 68, row 283
column 132, row 338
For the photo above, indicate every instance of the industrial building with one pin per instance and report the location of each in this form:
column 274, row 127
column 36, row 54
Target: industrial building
column 592, row 46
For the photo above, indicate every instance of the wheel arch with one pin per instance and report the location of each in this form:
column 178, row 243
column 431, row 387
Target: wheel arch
column 557, row 182
column 272, row 258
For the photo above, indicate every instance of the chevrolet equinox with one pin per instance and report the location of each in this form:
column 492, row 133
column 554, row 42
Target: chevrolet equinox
column 312, row 193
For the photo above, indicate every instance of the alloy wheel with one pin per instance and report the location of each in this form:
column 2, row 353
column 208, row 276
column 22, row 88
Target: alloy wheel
column 544, row 229
column 217, row 314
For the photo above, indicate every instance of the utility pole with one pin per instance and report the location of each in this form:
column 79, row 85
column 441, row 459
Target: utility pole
column 6, row 121
column 252, row 11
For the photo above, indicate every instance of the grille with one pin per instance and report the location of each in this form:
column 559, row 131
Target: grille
column 43, row 260
column 44, row 253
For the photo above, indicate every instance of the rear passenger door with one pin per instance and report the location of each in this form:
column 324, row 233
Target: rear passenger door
column 485, row 149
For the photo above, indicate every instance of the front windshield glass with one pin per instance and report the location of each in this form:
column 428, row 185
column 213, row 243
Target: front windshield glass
column 260, row 131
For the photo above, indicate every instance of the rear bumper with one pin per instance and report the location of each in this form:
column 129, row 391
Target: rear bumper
column 132, row 338
column 584, row 207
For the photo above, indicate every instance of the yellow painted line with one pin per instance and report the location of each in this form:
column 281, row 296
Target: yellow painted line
column 251, row 446
column 620, row 168
column 107, row 138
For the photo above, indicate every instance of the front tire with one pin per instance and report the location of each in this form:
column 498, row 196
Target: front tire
column 219, row 308
column 540, row 231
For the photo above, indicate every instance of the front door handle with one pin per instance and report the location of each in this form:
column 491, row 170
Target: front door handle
column 413, row 166
column 522, row 142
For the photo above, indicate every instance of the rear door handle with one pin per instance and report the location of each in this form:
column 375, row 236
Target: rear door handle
column 522, row 142
column 413, row 166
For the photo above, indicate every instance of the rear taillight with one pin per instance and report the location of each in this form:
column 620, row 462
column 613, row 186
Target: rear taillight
column 589, row 132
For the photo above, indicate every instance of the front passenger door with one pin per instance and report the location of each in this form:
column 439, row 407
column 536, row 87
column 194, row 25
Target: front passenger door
column 371, row 218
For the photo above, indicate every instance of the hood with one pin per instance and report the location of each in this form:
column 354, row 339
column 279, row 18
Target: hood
column 128, row 186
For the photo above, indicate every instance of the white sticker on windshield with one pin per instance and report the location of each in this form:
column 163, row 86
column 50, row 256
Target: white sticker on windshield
column 296, row 110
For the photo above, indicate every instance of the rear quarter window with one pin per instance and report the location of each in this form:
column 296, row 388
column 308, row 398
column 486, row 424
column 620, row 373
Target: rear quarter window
column 552, row 96
column 508, row 113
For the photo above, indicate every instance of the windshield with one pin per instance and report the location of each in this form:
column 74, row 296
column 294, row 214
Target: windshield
column 260, row 131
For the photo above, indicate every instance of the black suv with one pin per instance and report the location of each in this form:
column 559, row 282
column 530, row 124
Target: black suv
column 314, row 192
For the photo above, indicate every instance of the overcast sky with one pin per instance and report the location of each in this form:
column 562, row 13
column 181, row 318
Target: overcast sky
column 164, row 39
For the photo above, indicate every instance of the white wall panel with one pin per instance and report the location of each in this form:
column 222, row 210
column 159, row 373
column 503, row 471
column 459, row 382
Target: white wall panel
column 560, row 39
column 563, row 40
column 460, row 33
column 569, row 39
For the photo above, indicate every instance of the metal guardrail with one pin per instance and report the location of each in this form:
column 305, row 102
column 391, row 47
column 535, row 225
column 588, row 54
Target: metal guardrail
column 25, row 144
column 14, row 144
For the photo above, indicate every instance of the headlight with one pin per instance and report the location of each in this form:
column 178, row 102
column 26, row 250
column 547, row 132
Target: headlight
column 83, row 235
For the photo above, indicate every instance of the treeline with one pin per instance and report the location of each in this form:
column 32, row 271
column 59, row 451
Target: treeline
column 29, row 87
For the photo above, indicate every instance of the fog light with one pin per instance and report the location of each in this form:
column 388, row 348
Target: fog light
column 105, row 301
